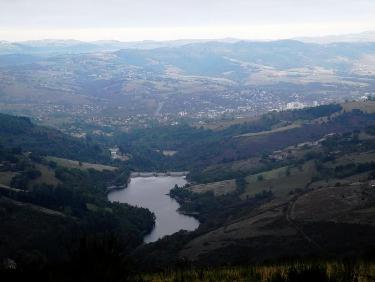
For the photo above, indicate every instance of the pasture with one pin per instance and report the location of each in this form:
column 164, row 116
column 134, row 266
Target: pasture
column 80, row 165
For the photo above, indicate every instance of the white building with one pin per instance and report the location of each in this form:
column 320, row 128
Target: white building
column 294, row 105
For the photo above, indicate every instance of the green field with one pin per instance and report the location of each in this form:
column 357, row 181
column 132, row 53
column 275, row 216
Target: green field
column 355, row 158
column 80, row 165
column 6, row 177
column 218, row 188
column 278, row 129
column 367, row 106
column 48, row 176
column 278, row 181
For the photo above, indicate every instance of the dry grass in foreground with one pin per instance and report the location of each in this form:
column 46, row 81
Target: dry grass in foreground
column 295, row 272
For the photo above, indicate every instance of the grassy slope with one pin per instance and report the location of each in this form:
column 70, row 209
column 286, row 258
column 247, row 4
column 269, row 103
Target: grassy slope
column 48, row 176
column 218, row 188
column 24, row 229
column 279, row 129
column 367, row 106
column 279, row 182
column 6, row 177
column 311, row 217
column 76, row 164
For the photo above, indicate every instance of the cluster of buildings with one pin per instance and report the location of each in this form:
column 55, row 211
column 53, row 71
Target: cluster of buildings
column 116, row 154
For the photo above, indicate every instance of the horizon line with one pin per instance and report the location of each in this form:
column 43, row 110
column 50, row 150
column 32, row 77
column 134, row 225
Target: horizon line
column 251, row 33
column 297, row 38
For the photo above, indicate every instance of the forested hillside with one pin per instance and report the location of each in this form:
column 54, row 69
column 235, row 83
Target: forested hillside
column 21, row 132
column 54, row 214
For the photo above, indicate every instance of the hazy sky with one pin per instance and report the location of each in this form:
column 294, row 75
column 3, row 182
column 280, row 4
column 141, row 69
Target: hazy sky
column 171, row 19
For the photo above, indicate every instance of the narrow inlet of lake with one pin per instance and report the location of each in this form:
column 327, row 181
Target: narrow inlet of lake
column 151, row 193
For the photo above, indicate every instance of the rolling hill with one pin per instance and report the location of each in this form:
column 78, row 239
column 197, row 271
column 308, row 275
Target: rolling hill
column 293, row 198
column 21, row 132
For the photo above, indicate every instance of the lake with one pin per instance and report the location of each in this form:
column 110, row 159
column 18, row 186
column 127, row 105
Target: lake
column 151, row 193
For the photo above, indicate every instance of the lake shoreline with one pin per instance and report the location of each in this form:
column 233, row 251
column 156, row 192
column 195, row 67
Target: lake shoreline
column 145, row 174
column 156, row 174
column 151, row 191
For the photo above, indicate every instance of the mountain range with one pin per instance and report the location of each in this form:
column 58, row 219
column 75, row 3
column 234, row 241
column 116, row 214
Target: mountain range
column 71, row 46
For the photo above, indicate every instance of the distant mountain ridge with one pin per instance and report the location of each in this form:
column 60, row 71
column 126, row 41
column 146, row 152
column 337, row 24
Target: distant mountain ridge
column 72, row 46
column 367, row 36
column 121, row 77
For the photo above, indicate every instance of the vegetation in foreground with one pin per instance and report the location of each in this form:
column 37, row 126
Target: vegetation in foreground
column 299, row 271
column 99, row 261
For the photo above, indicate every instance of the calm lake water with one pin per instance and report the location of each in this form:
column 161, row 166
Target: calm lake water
column 151, row 193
